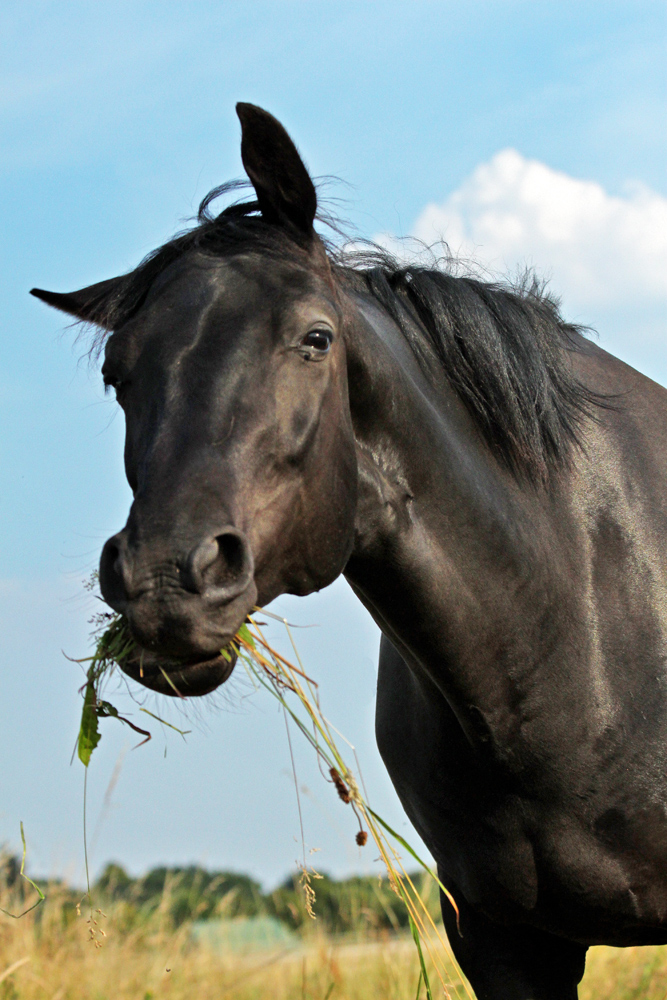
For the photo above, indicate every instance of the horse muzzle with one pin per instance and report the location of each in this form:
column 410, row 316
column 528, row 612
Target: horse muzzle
column 182, row 611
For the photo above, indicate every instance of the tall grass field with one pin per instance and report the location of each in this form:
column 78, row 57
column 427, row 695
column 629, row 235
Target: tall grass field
column 129, row 949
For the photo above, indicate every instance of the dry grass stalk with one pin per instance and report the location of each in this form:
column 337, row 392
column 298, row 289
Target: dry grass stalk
column 282, row 678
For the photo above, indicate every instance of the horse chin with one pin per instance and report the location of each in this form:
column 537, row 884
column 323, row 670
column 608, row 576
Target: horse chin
column 176, row 678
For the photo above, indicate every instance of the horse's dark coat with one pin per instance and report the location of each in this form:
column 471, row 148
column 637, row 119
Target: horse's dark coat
column 494, row 488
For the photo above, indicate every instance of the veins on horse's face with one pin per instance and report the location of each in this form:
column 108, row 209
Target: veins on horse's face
column 238, row 359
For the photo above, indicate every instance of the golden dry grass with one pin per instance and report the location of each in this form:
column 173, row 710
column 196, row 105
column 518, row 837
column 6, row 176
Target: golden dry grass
column 48, row 954
column 52, row 953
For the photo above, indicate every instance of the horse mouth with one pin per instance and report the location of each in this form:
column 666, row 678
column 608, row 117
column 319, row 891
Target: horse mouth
column 177, row 678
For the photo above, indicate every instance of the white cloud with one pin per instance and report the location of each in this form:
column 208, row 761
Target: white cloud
column 600, row 250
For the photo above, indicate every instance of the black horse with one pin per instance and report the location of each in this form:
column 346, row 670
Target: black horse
column 494, row 488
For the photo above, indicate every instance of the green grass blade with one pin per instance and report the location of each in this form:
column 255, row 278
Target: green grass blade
column 424, row 973
column 42, row 897
column 182, row 732
column 245, row 634
column 414, row 854
column 89, row 731
column 419, row 984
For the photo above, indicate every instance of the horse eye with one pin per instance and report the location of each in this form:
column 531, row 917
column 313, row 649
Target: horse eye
column 318, row 340
column 113, row 382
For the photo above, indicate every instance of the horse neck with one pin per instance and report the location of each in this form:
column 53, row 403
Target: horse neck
column 448, row 544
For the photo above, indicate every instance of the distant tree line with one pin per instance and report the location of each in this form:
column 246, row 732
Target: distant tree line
column 178, row 895
column 193, row 893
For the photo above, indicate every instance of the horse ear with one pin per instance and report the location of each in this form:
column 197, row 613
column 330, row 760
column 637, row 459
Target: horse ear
column 285, row 192
column 89, row 304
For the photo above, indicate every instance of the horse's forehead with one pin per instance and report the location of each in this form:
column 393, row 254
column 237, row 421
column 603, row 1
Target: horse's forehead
column 235, row 289
column 192, row 295
column 253, row 278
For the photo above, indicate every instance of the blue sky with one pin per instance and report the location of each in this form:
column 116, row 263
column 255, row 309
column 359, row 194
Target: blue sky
column 522, row 132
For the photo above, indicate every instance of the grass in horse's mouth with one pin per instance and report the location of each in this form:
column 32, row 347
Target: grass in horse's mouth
column 180, row 679
column 116, row 647
column 299, row 698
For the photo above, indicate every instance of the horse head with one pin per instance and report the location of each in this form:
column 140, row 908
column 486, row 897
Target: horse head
column 227, row 356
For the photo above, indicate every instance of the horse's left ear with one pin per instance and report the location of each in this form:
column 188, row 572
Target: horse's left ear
column 89, row 304
column 285, row 192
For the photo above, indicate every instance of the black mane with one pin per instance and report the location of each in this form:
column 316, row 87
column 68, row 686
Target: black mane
column 504, row 348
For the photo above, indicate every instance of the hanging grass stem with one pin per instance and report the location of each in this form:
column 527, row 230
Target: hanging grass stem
column 298, row 695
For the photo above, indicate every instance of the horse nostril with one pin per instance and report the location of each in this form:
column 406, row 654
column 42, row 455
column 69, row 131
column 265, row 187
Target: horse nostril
column 112, row 574
column 220, row 567
column 231, row 550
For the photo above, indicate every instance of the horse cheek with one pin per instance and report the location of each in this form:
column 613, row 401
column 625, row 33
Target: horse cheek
column 332, row 502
